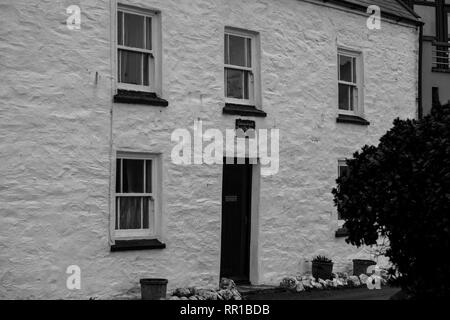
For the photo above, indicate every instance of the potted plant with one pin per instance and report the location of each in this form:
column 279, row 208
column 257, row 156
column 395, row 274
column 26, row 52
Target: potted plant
column 322, row 268
column 360, row 266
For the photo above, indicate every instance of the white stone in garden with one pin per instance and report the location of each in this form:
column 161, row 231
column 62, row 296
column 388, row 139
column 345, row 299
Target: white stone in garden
column 299, row 287
column 330, row 283
column 226, row 283
column 323, row 283
column 363, row 278
column 354, row 280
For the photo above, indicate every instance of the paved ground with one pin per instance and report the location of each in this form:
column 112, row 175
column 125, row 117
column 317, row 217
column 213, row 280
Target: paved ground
column 342, row 294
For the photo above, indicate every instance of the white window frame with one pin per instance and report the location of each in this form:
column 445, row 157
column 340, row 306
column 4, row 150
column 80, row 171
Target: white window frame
column 254, row 89
column 341, row 162
column 358, row 103
column 155, row 71
column 134, row 234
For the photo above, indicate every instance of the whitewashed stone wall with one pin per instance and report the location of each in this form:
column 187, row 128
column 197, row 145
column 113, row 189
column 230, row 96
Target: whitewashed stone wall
column 55, row 129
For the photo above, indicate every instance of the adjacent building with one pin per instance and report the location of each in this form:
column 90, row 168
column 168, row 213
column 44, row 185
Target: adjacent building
column 435, row 52
column 88, row 112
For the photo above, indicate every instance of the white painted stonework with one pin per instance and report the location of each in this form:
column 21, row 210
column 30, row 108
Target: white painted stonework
column 56, row 125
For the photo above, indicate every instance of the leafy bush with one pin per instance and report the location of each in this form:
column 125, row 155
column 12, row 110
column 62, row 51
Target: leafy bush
column 400, row 190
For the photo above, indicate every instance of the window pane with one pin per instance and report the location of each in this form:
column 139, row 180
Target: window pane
column 235, row 83
column 225, row 53
column 145, row 69
column 119, row 28
column 249, row 52
column 345, row 68
column 133, row 176
column 134, row 29
column 118, row 182
column 149, row 213
column 344, row 97
column 117, row 214
column 354, row 70
column 130, row 70
column 130, row 213
column 148, row 40
column 448, row 23
column 246, row 80
column 237, row 50
column 148, row 178
column 353, row 97
column 343, row 170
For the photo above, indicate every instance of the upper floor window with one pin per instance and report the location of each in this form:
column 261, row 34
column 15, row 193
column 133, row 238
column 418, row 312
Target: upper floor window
column 138, row 49
column 241, row 67
column 350, row 82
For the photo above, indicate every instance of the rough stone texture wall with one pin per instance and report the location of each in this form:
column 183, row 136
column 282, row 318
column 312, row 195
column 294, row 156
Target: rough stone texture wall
column 55, row 122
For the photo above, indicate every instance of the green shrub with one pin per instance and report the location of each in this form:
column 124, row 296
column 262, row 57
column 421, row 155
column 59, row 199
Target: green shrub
column 400, row 190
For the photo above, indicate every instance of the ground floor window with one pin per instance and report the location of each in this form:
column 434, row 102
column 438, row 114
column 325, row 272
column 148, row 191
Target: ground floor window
column 136, row 199
column 342, row 171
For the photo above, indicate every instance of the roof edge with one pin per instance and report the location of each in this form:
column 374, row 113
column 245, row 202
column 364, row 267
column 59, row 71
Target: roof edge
column 387, row 15
column 408, row 8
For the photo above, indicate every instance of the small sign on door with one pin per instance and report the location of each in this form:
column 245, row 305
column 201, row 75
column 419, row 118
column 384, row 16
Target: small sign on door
column 232, row 198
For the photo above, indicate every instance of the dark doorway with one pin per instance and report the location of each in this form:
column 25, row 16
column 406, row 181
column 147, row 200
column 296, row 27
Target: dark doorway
column 236, row 213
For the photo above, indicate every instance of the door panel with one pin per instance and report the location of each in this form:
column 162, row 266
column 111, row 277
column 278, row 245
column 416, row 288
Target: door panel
column 236, row 213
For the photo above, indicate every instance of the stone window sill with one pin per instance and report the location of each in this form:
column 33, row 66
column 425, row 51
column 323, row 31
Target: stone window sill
column 345, row 118
column 243, row 110
column 127, row 245
column 341, row 232
column 139, row 97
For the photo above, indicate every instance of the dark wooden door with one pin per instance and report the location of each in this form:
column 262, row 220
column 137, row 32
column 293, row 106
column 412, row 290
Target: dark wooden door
column 236, row 209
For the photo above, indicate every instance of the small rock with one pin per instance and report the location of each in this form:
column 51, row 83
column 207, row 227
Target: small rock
column 184, row 298
column 236, row 294
column 338, row 283
column 226, row 283
column 330, row 283
column 207, row 294
column 316, row 285
column 307, row 284
column 342, row 275
column 354, row 281
column 289, row 283
column 182, row 292
column 363, row 278
column 192, row 298
column 237, row 297
column 299, row 287
column 323, row 283
column 225, row 294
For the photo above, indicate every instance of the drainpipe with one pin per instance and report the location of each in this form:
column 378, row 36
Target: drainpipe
column 419, row 95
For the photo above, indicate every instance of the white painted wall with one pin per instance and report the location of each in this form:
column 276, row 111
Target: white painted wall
column 55, row 126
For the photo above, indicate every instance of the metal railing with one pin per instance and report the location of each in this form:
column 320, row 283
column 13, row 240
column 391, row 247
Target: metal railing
column 440, row 54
